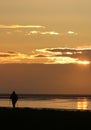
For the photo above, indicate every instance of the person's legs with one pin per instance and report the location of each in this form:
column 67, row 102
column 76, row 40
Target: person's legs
column 13, row 103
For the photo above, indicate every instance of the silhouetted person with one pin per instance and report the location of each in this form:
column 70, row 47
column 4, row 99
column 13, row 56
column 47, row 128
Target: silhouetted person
column 14, row 98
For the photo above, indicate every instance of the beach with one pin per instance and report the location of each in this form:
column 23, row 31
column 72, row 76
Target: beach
column 45, row 119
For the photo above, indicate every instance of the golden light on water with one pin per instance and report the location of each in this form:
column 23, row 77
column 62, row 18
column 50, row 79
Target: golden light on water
column 82, row 104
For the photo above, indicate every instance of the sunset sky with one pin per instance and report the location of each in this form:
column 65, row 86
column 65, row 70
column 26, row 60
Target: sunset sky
column 38, row 35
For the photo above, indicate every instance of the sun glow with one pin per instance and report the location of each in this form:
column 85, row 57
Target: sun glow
column 83, row 62
column 61, row 60
column 82, row 104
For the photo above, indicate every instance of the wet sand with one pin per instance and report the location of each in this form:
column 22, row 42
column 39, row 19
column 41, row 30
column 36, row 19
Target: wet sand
column 45, row 119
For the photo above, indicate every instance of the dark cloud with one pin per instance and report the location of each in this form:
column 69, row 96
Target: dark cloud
column 40, row 56
column 12, row 52
column 5, row 55
column 71, row 52
column 8, row 54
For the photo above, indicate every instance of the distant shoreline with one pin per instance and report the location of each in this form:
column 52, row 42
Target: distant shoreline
column 21, row 96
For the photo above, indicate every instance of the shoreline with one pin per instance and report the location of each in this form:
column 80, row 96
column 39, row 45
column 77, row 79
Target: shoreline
column 7, row 108
column 29, row 109
column 44, row 112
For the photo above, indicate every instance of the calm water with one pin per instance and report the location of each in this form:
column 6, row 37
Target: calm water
column 55, row 102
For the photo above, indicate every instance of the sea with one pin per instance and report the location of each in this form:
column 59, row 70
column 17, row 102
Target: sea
column 68, row 102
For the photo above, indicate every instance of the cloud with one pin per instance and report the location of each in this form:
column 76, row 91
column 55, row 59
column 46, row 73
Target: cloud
column 19, row 29
column 20, row 26
column 66, row 55
column 50, row 33
column 14, row 57
column 17, row 57
column 72, row 33
column 7, row 54
column 32, row 32
column 49, row 56
column 43, row 32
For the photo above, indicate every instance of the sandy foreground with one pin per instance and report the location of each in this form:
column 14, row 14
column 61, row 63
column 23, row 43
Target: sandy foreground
column 44, row 119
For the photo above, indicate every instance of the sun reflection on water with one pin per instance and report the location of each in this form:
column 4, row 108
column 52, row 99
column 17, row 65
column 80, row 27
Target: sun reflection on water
column 82, row 104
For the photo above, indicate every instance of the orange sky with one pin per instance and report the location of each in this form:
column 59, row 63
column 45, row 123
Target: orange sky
column 45, row 79
column 26, row 25
column 46, row 32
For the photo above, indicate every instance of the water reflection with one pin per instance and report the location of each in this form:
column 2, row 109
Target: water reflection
column 82, row 104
